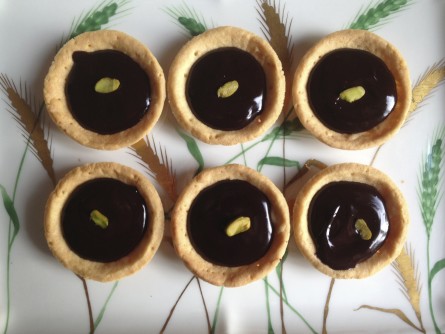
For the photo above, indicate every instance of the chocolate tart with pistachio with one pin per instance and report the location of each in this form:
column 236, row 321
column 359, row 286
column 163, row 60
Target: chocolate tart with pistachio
column 352, row 90
column 226, row 86
column 104, row 221
column 105, row 89
column 350, row 220
column 230, row 225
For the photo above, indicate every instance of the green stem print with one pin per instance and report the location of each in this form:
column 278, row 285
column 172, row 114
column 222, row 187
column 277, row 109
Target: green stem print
column 193, row 149
column 431, row 176
column 293, row 309
column 13, row 230
column 104, row 307
column 218, row 304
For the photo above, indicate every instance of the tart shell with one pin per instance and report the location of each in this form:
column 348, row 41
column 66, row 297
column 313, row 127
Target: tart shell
column 130, row 263
column 55, row 82
column 222, row 275
column 219, row 38
column 362, row 40
column 397, row 211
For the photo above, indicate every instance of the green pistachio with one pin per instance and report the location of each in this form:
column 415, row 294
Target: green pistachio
column 352, row 94
column 363, row 229
column 239, row 225
column 228, row 89
column 107, row 85
column 99, row 219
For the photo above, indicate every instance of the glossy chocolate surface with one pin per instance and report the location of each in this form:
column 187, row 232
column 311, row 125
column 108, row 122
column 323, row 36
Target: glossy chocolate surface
column 332, row 216
column 125, row 209
column 111, row 112
column 346, row 68
column 215, row 69
column 216, row 207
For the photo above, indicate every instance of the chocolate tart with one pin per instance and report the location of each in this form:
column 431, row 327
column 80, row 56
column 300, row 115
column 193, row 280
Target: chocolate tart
column 129, row 106
column 357, row 62
column 104, row 221
column 350, row 220
column 226, row 86
column 215, row 199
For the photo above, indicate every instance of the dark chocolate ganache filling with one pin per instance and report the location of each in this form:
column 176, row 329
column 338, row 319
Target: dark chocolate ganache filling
column 221, row 67
column 216, row 207
column 112, row 112
column 340, row 70
column 348, row 223
column 125, row 210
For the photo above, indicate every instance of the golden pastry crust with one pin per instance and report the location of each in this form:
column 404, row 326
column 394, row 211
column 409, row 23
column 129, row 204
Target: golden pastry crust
column 219, row 38
column 55, row 82
column 130, row 263
column 396, row 207
column 363, row 40
column 221, row 275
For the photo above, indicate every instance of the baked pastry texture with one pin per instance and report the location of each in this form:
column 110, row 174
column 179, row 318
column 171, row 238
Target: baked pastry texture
column 364, row 136
column 343, row 223
column 212, row 201
column 121, row 247
column 124, row 114
column 223, row 72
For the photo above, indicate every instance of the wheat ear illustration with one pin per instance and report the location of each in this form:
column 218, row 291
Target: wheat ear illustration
column 98, row 17
column 422, row 89
column 430, row 180
column 408, row 276
column 23, row 108
column 188, row 19
column 276, row 26
column 376, row 14
column 157, row 164
column 425, row 86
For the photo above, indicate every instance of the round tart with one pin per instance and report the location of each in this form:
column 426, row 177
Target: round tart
column 226, row 86
column 350, row 220
column 105, row 89
column 230, row 225
column 104, row 221
column 352, row 90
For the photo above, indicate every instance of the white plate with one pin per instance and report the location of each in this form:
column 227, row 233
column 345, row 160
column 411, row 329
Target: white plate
column 37, row 295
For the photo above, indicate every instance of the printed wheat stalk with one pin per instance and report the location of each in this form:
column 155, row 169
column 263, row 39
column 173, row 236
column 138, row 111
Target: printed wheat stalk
column 23, row 110
column 188, row 19
column 276, row 26
column 426, row 84
column 430, row 180
column 373, row 16
column 97, row 17
column 424, row 87
column 408, row 276
column 157, row 164
column 393, row 311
